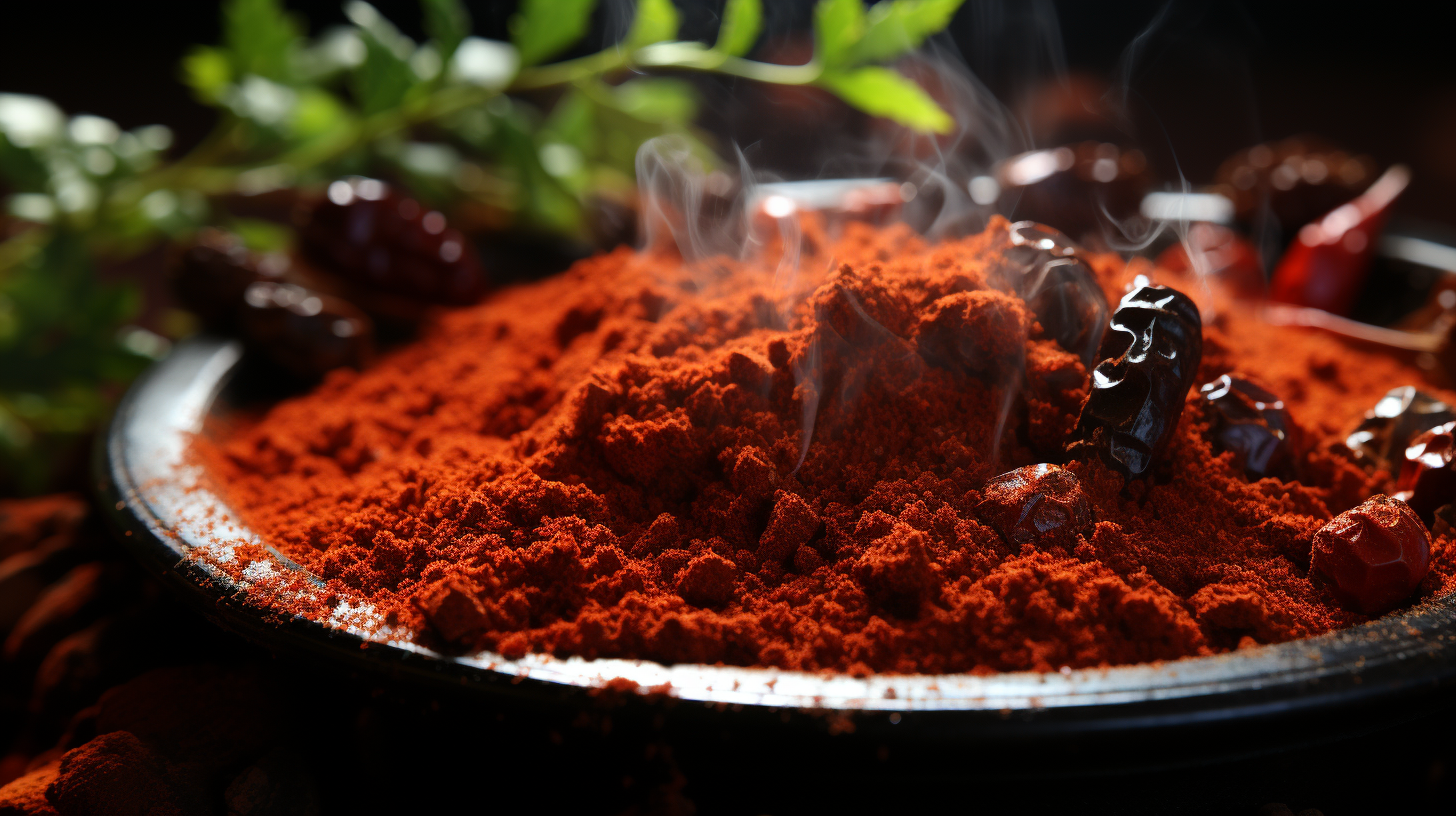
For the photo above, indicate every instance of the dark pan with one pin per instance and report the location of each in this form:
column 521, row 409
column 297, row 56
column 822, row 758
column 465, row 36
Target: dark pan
column 174, row 528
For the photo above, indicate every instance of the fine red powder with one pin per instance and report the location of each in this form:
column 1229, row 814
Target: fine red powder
column 608, row 463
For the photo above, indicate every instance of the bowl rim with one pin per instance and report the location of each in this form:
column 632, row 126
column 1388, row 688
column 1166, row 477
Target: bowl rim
column 162, row 515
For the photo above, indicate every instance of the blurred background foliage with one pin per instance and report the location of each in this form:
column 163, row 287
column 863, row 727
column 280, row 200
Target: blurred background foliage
column 86, row 205
column 505, row 135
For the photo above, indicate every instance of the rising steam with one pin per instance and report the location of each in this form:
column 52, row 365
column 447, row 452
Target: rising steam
column 708, row 213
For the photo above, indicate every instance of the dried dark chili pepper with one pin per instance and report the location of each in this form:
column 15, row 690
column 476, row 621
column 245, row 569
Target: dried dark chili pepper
column 304, row 332
column 369, row 235
column 1076, row 187
column 1404, row 413
column 210, row 276
column 1427, row 478
column 1297, row 180
column 1151, row 357
column 1036, row 504
column 1042, row 268
column 1253, row 424
column 236, row 291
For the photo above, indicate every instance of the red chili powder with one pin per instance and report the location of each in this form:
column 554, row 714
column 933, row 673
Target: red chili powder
column 607, row 463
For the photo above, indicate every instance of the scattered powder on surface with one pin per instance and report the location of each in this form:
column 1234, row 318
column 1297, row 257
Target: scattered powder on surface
column 607, row 464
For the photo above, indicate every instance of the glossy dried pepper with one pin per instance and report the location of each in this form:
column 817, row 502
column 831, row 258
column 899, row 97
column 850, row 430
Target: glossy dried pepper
column 304, row 332
column 1075, row 187
column 1373, row 556
column 1427, row 478
column 210, row 276
column 1042, row 268
column 1036, row 504
column 1253, row 424
column 1151, row 356
column 371, row 236
column 1327, row 264
column 1404, row 413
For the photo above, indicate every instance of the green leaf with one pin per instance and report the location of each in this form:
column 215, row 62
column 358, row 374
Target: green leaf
column 618, row 120
column 544, row 28
column 61, row 348
column 838, row 25
column 542, row 201
column 22, row 170
column 262, row 236
column 317, row 113
column 742, row 21
column 897, row 27
column 447, row 22
column 207, row 72
column 485, row 63
column 338, row 51
column 656, row 21
column 573, row 122
column 657, row 100
column 884, row 92
column 260, row 37
column 371, row 23
column 262, row 101
column 383, row 79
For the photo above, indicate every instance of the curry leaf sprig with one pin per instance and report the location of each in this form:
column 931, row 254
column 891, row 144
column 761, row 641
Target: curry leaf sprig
column 494, row 130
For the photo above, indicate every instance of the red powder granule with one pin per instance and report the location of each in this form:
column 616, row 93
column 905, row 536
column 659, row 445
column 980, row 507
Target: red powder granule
column 699, row 462
column 26, row 795
column 114, row 773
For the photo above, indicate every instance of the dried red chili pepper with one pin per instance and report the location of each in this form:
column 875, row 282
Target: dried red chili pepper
column 1373, row 556
column 1036, row 504
column 1326, row 265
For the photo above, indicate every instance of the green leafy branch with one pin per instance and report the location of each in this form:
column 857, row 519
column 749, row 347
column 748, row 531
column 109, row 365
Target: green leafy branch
column 495, row 131
column 397, row 89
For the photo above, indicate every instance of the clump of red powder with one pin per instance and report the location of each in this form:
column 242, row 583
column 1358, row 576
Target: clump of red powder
column 608, row 463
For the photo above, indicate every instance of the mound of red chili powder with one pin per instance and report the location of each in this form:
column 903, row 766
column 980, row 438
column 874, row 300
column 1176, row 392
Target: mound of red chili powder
column 608, row 463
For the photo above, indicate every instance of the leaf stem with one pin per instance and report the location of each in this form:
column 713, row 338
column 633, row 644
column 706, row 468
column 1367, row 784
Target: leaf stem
column 697, row 57
column 691, row 56
column 565, row 73
column 805, row 74
column 210, row 180
column 196, row 172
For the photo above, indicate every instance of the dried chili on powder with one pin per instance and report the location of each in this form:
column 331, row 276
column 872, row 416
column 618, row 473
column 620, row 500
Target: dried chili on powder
column 648, row 458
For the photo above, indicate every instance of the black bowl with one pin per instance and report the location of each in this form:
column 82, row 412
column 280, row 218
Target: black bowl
column 177, row 529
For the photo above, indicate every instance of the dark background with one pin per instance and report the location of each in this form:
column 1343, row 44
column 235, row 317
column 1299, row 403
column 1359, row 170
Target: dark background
column 1203, row 80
